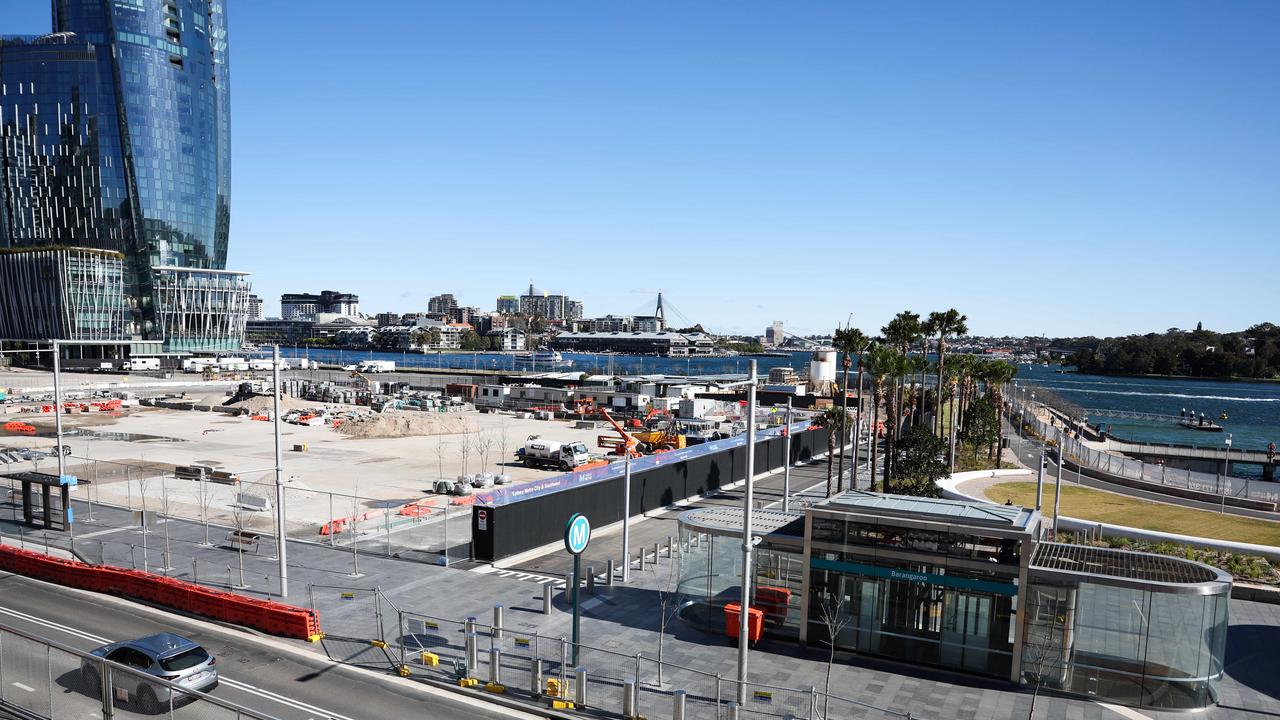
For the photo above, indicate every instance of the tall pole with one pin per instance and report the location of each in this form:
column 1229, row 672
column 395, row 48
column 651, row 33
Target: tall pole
column 1040, row 480
column 626, row 513
column 1057, row 493
column 786, row 462
column 281, row 544
column 747, row 500
column 57, row 406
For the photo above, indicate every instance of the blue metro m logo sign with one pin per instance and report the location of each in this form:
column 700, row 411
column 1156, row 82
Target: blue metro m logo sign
column 577, row 534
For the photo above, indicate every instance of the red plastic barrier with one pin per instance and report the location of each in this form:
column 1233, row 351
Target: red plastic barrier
column 268, row 616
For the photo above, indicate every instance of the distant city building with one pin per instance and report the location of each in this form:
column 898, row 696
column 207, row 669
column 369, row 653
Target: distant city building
column 549, row 307
column 649, row 323
column 305, row 306
column 387, row 319
column 444, row 304
column 115, row 137
column 612, row 323
column 289, row 333
column 667, row 344
column 508, row 304
column 256, row 311
column 775, row 334
column 509, row 338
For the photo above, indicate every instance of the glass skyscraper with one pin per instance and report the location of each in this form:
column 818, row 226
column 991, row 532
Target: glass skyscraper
column 116, row 134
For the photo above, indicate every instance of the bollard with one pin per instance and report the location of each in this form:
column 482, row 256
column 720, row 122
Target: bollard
column 670, row 545
column 591, row 579
column 469, row 626
column 495, row 666
column 580, row 687
column 497, row 622
column 608, row 578
column 677, row 705
column 535, row 677
column 732, row 709
column 568, row 586
column 546, row 598
column 628, row 700
column 655, row 556
column 473, row 654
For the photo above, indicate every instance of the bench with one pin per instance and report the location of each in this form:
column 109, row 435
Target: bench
column 243, row 540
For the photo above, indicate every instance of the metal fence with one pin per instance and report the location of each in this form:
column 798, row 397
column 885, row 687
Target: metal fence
column 368, row 629
column 43, row 679
column 1157, row 475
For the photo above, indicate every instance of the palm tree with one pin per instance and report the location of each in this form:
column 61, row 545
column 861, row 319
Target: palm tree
column 849, row 341
column 942, row 324
column 878, row 361
column 835, row 420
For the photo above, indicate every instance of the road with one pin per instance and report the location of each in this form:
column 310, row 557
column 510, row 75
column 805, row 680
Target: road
column 270, row 675
column 1028, row 453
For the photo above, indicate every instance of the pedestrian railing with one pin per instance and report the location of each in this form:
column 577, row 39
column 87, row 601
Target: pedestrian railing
column 489, row 654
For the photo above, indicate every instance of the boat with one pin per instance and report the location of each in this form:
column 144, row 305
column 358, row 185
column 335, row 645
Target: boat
column 545, row 359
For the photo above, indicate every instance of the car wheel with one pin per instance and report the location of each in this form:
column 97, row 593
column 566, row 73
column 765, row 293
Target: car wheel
column 147, row 702
column 91, row 681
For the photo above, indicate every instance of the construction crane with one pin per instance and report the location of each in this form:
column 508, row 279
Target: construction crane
column 624, row 443
column 363, row 381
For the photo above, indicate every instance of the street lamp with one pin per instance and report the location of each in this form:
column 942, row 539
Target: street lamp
column 744, row 605
column 1226, row 470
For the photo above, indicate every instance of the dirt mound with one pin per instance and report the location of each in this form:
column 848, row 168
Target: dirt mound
column 398, row 425
column 263, row 404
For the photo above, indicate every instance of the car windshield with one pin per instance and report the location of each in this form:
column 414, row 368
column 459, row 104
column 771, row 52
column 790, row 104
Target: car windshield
column 185, row 660
column 579, row 448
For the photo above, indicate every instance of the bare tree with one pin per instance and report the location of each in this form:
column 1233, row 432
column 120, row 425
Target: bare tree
column 204, row 494
column 668, row 606
column 484, row 444
column 831, row 613
column 441, row 448
column 1044, row 644
column 466, row 451
column 502, row 436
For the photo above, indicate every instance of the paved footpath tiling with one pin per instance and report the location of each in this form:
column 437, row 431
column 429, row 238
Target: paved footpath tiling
column 625, row 619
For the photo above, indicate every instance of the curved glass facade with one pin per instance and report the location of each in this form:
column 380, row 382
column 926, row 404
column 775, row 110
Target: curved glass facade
column 116, row 135
column 166, row 146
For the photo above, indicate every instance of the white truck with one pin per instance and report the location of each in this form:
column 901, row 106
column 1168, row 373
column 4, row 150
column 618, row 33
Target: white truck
column 260, row 364
column 566, row 456
column 376, row 366
column 137, row 364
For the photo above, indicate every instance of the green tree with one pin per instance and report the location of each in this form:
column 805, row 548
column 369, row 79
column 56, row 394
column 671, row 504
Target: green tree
column 981, row 424
column 918, row 463
column 944, row 324
column 879, row 360
column 835, row 420
column 850, row 342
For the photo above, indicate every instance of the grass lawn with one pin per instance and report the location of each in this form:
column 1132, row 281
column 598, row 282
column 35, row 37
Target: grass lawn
column 1090, row 504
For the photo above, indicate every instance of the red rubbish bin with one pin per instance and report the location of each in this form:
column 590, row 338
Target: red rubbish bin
column 755, row 622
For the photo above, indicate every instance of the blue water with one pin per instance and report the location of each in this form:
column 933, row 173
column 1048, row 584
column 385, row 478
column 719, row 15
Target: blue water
column 1253, row 409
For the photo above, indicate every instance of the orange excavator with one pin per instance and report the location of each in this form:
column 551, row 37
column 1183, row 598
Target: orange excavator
column 621, row 444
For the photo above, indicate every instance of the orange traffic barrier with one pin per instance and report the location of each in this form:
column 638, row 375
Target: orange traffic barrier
column 265, row 615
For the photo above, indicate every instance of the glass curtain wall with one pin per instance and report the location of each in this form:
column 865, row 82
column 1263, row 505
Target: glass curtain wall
column 1126, row 644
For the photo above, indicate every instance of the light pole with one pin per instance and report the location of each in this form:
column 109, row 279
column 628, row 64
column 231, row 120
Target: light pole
column 626, row 512
column 786, row 463
column 57, row 405
column 281, row 543
column 747, row 540
column 1226, row 471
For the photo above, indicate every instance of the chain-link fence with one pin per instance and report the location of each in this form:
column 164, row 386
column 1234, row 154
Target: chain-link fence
column 369, row 629
column 42, row 679
column 1155, row 474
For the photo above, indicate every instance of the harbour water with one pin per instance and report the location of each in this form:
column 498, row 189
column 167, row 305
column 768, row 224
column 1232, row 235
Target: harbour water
column 1253, row 409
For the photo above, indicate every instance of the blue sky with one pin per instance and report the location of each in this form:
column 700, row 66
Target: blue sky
column 1068, row 168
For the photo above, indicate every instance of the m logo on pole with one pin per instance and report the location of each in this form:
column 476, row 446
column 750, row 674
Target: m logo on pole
column 577, row 534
